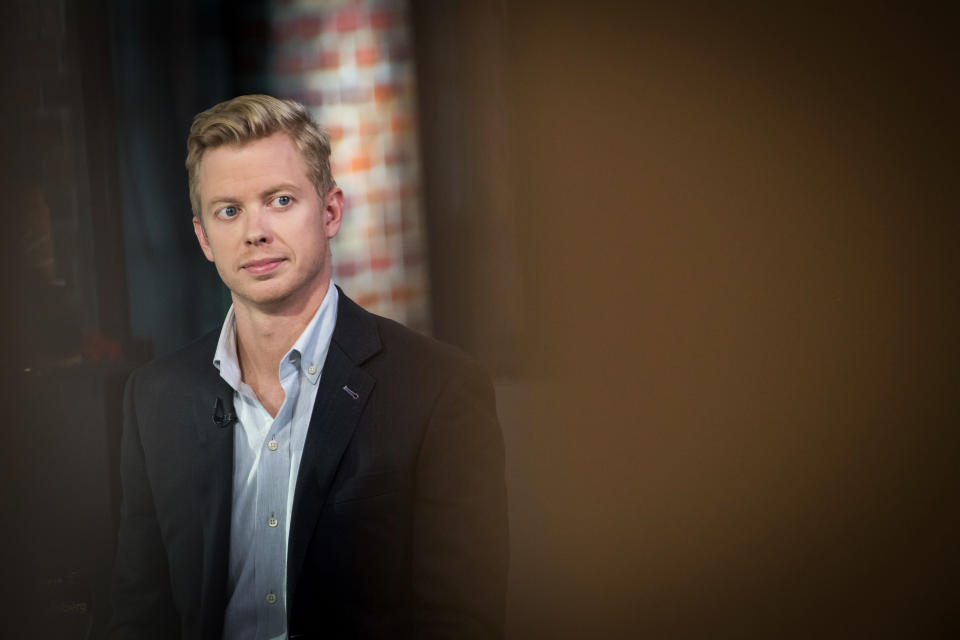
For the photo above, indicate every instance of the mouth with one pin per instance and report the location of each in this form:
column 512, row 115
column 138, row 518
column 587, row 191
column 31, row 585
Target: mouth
column 263, row 266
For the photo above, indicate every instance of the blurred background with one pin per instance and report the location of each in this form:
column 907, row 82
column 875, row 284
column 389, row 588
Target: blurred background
column 708, row 252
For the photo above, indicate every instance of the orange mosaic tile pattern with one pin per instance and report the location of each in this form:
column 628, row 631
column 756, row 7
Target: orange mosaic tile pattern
column 351, row 63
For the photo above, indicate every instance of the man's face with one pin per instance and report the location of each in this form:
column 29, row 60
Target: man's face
column 263, row 224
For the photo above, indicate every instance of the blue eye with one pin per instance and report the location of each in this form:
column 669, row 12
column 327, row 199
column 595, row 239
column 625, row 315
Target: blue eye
column 227, row 212
column 282, row 201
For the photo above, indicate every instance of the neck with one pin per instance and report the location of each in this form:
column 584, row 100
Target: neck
column 265, row 335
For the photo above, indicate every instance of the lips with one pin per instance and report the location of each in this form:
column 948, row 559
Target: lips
column 262, row 266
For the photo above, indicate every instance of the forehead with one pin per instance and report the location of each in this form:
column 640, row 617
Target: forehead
column 232, row 170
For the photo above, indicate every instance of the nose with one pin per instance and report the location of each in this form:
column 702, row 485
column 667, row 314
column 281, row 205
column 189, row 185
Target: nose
column 258, row 229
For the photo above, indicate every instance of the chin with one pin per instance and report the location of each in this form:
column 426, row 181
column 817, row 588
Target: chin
column 263, row 296
column 273, row 293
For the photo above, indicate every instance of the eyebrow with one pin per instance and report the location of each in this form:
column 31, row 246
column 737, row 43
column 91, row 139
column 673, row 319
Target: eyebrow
column 263, row 194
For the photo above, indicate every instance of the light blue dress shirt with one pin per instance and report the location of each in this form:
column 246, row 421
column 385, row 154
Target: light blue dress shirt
column 266, row 460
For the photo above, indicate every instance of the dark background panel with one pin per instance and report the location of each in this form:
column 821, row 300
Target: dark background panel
column 735, row 231
column 102, row 271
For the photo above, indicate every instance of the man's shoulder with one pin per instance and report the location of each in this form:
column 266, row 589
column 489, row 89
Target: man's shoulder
column 417, row 355
column 167, row 389
column 185, row 363
column 399, row 338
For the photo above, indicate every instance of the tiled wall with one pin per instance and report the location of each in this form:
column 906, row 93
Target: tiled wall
column 351, row 63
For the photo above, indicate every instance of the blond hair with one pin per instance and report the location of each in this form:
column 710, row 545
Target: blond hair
column 247, row 118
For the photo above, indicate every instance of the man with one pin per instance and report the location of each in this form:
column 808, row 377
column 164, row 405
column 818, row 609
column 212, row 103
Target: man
column 310, row 470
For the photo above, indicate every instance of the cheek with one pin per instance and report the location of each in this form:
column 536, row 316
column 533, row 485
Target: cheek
column 221, row 246
column 221, row 257
column 222, row 269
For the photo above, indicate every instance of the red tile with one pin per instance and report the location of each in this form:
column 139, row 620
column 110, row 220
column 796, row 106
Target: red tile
column 346, row 269
column 369, row 127
column 401, row 123
column 382, row 18
column 366, row 300
column 328, row 59
column 376, row 196
column 309, row 26
column 401, row 294
column 383, row 92
column 367, row 56
column 360, row 163
column 379, row 263
column 348, row 19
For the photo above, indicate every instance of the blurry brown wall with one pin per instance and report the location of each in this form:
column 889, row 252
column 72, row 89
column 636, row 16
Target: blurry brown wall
column 711, row 253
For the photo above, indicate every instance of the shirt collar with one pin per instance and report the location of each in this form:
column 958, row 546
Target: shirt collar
column 308, row 353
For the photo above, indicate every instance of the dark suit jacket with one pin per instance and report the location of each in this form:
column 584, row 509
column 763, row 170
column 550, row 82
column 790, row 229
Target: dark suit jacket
column 399, row 519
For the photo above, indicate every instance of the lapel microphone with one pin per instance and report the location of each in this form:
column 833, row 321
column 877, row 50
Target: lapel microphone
column 221, row 418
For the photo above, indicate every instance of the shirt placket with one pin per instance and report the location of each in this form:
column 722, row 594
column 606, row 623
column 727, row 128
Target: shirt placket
column 272, row 480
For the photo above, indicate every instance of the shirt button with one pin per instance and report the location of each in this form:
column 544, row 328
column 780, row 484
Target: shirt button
column 271, row 598
column 311, row 369
column 272, row 445
column 272, row 521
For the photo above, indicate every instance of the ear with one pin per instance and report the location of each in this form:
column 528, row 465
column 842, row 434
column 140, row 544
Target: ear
column 202, row 238
column 333, row 211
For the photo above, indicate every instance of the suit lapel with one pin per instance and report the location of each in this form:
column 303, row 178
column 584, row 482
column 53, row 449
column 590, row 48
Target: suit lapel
column 341, row 397
column 215, row 491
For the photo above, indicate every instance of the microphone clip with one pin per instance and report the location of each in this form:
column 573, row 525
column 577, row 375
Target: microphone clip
column 221, row 418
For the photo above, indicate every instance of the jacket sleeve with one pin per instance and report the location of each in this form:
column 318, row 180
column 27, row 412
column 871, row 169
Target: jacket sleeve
column 460, row 536
column 140, row 592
